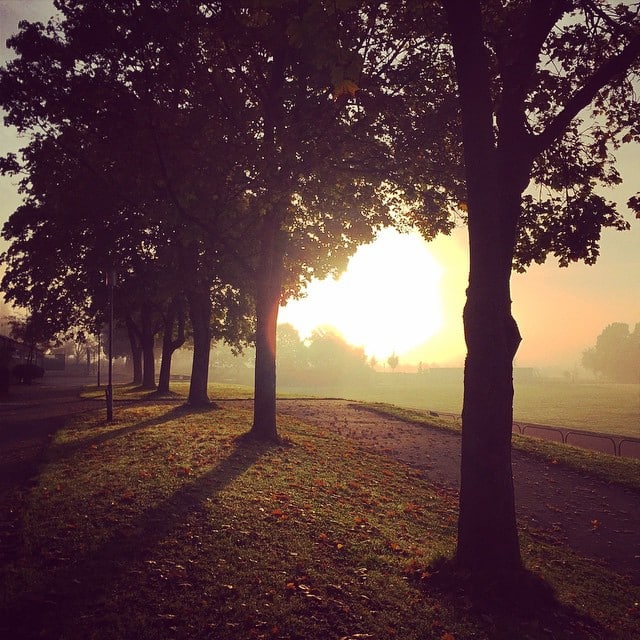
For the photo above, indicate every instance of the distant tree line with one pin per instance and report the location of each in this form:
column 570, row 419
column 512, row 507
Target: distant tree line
column 616, row 355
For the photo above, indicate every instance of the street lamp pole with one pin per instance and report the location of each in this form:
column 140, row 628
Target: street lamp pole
column 111, row 282
column 99, row 354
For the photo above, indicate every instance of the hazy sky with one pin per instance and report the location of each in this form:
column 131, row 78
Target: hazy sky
column 407, row 296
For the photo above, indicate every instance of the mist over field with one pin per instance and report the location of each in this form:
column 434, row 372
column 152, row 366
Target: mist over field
column 590, row 406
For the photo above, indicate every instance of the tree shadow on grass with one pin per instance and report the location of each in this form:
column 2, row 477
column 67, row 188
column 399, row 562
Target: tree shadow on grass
column 505, row 605
column 87, row 579
column 66, row 450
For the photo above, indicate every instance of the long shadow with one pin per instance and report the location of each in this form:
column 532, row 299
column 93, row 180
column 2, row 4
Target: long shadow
column 504, row 606
column 61, row 451
column 41, row 608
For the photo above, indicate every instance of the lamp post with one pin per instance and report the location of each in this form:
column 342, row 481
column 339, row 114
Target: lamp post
column 99, row 355
column 111, row 283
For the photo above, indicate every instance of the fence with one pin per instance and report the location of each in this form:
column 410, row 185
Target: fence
column 621, row 446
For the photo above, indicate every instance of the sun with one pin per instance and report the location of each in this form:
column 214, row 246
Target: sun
column 387, row 301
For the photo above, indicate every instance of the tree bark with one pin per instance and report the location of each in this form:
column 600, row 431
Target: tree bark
column 175, row 313
column 487, row 533
column 200, row 314
column 136, row 350
column 488, row 544
column 268, row 295
column 148, row 352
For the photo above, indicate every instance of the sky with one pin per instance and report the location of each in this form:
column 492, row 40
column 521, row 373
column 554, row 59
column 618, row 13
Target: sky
column 405, row 296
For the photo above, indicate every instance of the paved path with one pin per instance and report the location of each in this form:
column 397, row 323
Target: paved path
column 29, row 416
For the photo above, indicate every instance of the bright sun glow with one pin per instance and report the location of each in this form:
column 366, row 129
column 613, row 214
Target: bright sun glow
column 388, row 300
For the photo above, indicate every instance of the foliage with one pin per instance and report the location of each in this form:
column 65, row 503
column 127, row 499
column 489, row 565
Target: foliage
column 616, row 354
column 36, row 332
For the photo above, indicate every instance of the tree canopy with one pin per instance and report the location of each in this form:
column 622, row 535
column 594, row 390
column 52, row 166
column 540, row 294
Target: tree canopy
column 616, row 355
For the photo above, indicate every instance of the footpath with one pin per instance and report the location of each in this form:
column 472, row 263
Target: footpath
column 596, row 519
column 29, row 417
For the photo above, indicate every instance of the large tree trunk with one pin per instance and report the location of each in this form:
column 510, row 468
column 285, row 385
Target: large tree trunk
column 136, row 350
column 487, row 533
column 264, row 425
column 148, row 352
column 268, row 295
column 175, row 313
column 488, row 543
column 200, row 314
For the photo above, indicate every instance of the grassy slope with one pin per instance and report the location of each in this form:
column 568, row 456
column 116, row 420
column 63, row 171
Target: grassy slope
column 168, row 524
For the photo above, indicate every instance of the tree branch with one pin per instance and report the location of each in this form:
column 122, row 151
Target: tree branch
column 613, row 67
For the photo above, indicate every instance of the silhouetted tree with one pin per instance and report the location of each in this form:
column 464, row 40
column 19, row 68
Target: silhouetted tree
column 616, row 354
column 35, row 332
column 142, row 160
column 393, row 361
column 292, row 354
column 334, row 361
column 526, row 73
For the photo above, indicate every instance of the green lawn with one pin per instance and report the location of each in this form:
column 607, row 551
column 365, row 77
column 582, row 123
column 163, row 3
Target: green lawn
column 607, row 408
column 168, row 524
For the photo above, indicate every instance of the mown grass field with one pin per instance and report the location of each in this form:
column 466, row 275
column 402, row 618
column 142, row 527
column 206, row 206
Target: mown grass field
column 606, row 408
column 169, row 524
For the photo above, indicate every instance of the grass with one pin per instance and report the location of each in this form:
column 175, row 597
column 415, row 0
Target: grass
column 217, row 391
column 605, row 408
column 599, row 407
column 169, row 524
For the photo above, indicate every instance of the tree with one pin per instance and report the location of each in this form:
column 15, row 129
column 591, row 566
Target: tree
column 393, row 361
column 311, row 82
column 334, row 361
column 154, row 154
column 526, row 71
column 616, row 354
column 292, row 354
column 35, row 332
